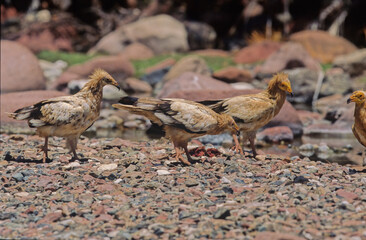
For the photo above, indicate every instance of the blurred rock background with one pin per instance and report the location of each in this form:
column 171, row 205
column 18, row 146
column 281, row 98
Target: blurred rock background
column 197, row 50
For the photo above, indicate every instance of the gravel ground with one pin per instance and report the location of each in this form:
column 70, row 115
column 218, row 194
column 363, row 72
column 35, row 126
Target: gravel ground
column 136, row 190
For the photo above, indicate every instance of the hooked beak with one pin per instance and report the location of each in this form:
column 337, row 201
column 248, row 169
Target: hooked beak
column 349, row 100
column 292, row 95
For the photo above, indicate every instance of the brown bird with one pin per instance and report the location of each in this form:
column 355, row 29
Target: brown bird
column 253, row 111
column 67, row 116
column 359, row 127
column 181, row 119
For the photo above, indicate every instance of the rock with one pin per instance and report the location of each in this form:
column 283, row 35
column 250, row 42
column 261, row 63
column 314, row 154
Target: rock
column 51, row 217
column 221, row 213
column 13, row 101
column 191, row 81
column 349, row 196
column 21, row 70
column 335, row 82
column 233, row 74
column 277, row 236
column 290, row 55
column 191, row 183
column 118, row 66
column 200, row 35
column 303, row 83
column 169, row 37
column 193, row 64
column 135, row 85
column 22, row 194
column 107, row 167
column 45, row 39
column 353, row 63
column 323, row 46
column 137, row 51
column 163, row 172
column 276, row 134
column 256, row 52
column 18, row 177
column 71, row 165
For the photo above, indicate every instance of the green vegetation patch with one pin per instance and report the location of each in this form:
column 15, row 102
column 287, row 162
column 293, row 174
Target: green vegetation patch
column 70, row 58
column 215, row 63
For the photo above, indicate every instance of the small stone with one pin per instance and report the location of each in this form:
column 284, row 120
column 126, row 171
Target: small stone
column 225, row 180
column 22, row 194
column 18, row 177
column 221, row 213
column 191, row 183
column 71, row 165
column 107, row 167
column 163, row 172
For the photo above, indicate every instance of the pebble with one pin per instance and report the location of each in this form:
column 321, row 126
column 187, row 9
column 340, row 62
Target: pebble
column 163, row 172
column 107, row 167
column 138, row 195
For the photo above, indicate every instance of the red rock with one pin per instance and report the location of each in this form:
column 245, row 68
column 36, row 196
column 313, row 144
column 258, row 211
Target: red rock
column 276, row 236
column 192, row 82
column 51, row 217
column 256, row 52
column 105, row 188
column 135, row 85
column 137, row 51
column 118, row 66
column 46, row 40
column 276, row 134
column 233, row 74
column 307, row 117
column 191, row 63
column 13, row 101
column 290, row 55
column 20, row 70
column 349, row 196
column 322, row 45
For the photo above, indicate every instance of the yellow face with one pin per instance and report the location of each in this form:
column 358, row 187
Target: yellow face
column 109, row 80
column 233, row 126
column 357, row 97
column 285, row 85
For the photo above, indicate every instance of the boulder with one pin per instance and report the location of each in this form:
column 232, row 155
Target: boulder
column 46, row 40
column 353, row 63
column 200, row 35
column 134, row 85
column 290, row 55
column 233, row 74
column 286, row 117
column 188, row 64
column 323, row 46
column 161, row 33
column 276, row 134
column 118, row 66
column 192, row 81
column 13, row 101
column 167, row 63
column 20, row 69
column 137, row 51
column 336, row 81
column 303, row 83
column 256, row 52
